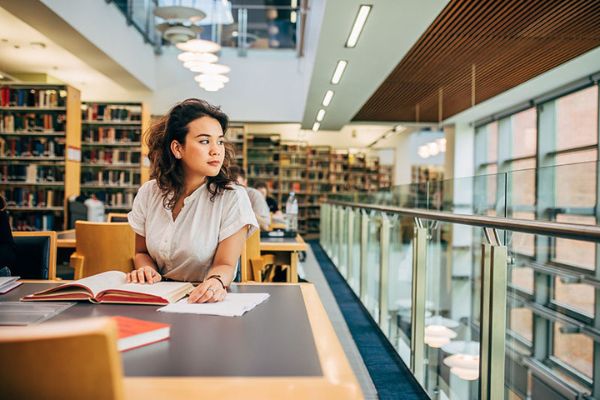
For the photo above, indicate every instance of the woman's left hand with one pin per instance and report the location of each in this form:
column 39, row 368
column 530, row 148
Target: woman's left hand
column 209, row 291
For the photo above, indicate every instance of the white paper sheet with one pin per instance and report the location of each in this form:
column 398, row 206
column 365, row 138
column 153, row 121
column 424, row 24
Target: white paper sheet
column 234, row 305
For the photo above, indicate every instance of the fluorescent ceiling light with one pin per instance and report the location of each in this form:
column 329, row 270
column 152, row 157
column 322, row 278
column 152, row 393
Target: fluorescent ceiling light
column 339, row 70
column 320, row 115
column 200, row 57
column 359, row 23
column 327, row 98
column 316, row 126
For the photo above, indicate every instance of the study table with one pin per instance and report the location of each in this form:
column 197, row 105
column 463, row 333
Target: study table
column 286, row 251
column 284, row 348
column 66, row 239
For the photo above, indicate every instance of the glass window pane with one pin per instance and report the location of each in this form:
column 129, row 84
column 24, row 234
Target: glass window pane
column 575, row 295
column 492, row 142
column 523, row 243
column 524, row 133
column 575, row 252
column 522, row 277
column 577, row 119
column 521, row 322
column 574, row 349
column 577, row 182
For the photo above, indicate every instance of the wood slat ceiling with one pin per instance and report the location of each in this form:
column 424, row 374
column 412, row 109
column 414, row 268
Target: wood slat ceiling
column 477, row 49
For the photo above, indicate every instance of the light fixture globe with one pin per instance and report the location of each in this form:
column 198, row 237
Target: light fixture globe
column 212, row 87
column 210, row 78
column 179, row 13
column 197, row 57
column 177, row 32
column 199, row 46
column 207, row 68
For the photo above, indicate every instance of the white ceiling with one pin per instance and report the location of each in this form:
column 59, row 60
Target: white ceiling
column 392, row 27
column 19, row 55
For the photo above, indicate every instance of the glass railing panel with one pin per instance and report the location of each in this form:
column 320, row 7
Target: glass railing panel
column 451, row 328
column 342, row 239
column 400, row 285
column 354, row 262
column 579, row 297
column 573, row 350
column 371, row 272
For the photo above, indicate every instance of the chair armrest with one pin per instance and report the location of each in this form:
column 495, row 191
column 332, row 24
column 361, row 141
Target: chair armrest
column 76, row 262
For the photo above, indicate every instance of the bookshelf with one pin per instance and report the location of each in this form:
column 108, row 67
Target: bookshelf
column 292, row 178
column 318, row 186
column 113, row 152
column 385, row 176
column 262, row 161
column 39, row 153
column 236, row 136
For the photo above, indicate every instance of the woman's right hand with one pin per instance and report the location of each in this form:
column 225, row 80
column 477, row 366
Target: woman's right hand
column 143, row 275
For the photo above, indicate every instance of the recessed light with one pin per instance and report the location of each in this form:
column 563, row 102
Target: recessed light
column 327, row 98
column 1, row 76
column 339, row 70
column 316, row 126
column 359, row 23
column 320, row 115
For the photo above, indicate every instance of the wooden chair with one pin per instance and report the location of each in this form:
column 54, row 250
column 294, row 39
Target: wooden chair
column 75, row 359
column 117, row 217
column 102, row 246
column 35, row 254
column 253, row 263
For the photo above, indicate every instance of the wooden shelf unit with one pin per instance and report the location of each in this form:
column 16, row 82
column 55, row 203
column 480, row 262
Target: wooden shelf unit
column 112, row 141
column 40, row 135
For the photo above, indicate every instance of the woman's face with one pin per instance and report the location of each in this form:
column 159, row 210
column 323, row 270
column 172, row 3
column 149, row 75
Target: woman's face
column 204, row 149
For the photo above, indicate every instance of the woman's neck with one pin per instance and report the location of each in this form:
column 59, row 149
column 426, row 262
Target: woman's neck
column 191, row 184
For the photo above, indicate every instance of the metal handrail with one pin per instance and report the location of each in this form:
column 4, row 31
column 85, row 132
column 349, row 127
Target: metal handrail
column 589, row 233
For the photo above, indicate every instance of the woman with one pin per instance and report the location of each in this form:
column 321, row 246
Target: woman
column 191, row 219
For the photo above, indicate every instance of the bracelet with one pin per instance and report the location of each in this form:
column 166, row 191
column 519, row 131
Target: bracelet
column 217, row 277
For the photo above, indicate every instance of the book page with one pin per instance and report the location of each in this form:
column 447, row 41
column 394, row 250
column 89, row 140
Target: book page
column 103, row 281
column 166, row 290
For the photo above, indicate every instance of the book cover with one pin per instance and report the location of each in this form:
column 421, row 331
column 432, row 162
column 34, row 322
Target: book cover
column 134, row 333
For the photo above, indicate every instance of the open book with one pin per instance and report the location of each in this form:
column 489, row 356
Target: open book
column 111, row 287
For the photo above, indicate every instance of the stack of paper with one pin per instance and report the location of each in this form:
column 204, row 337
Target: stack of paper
column 8, row 283
column 234, row 305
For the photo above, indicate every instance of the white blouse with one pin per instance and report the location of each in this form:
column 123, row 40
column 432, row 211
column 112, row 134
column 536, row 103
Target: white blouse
column 184, row 249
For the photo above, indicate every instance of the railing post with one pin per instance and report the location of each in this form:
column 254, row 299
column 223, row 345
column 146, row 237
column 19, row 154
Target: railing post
column 493, row 317
column 332, row 249
column 323, row 225
column 419, row 268
column 349, row 237
column 364, row 248
column 384, row 261
column 340, row 240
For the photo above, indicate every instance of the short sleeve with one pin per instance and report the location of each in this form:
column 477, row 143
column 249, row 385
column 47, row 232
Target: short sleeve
column 137, row 215
column 237, row 213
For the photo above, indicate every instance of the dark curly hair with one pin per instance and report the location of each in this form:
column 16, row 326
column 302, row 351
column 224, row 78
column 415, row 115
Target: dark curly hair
column 168, row 170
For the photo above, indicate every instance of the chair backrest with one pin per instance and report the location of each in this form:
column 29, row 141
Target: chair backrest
column 251, row 250
column 75, row 359
column 35, row 255
column 105, row 246
column 117, row 217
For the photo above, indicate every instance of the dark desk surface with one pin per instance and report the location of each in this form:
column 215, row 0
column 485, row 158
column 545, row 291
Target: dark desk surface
column 283, row 244
column 285, row 347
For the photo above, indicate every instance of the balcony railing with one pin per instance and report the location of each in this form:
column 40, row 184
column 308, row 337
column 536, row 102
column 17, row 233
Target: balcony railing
column 483, row 289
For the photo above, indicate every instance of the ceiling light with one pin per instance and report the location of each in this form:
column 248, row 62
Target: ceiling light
column 193, row 64
column 320, row 115
column 316, row 126
column 327, row 98
column 438, row 335
column 442, row 144
column 207, row 68
column 359, row 23
column 202, row 78
column 399, row 128
column 434, row 149
column 199, row 46
column 293, row 17
column 423, row 151
column 339, row 70
column 200, row 57
column 1, row 76
column 212, row 86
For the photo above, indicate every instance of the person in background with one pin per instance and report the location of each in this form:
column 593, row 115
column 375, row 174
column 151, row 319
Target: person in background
column 264, row 190
column 259, row 204
column 7, row 243
column 191, row 220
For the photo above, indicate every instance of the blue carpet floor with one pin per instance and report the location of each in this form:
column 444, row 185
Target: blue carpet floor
column 392, row 379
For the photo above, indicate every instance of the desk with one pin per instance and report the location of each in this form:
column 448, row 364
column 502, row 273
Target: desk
column 287, row 248
column 285, row 348
column 66, row 239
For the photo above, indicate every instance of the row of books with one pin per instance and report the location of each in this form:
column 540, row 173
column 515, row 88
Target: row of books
column 114, row 156
column 31, row 122
column 110, row 178
column 34, row 222
column 110, row 135
column 32, row 147
column 31, row 173
column 110, row 112
column 26, row 197
column 25, row 97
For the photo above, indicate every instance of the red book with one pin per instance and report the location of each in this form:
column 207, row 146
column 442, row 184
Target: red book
column 135, row 333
